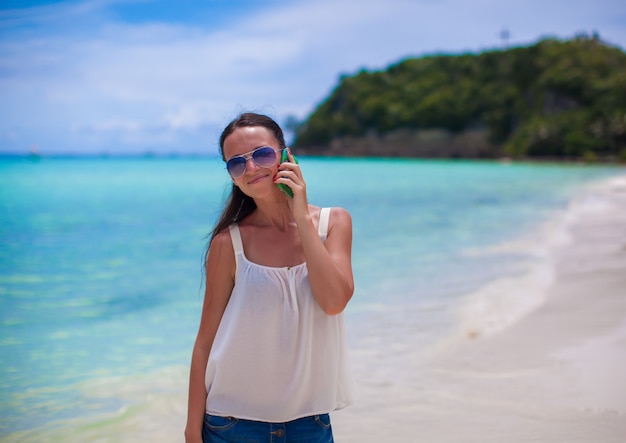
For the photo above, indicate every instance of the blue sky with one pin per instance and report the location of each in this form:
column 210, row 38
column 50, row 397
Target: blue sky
column 134, row 76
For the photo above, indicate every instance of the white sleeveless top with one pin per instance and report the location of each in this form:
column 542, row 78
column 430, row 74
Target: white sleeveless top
column 276, row 355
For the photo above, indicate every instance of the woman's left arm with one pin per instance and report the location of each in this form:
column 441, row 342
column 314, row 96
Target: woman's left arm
column 330, row 263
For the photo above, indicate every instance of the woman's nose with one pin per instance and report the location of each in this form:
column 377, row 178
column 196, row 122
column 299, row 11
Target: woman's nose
column 251, row 165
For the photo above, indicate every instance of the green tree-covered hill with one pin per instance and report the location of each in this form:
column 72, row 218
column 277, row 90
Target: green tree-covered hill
column 554, row 99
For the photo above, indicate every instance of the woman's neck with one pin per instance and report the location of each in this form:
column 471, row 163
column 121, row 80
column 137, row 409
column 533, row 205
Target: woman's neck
column 275, row 213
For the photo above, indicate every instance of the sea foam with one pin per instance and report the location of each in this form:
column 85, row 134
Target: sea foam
column 501, row 302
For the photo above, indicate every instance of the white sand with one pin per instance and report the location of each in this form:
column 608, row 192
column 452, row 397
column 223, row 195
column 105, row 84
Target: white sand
column 557, row 374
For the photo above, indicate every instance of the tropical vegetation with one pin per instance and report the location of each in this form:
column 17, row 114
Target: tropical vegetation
column 562, row 99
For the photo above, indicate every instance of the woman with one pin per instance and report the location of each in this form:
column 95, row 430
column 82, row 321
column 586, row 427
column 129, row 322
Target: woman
column 270, row 359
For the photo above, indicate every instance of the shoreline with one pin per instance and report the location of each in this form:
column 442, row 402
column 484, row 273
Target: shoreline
column 552, row 374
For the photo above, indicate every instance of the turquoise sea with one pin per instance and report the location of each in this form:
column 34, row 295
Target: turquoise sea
column 101, row 262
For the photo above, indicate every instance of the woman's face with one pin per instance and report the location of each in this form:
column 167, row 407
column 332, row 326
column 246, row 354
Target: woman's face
column 255, row 179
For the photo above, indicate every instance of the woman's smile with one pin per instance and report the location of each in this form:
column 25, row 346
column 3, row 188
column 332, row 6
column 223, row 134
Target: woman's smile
column 257, row 178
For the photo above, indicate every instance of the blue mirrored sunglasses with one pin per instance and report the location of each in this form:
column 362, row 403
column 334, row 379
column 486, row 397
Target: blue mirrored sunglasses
column 264, row 157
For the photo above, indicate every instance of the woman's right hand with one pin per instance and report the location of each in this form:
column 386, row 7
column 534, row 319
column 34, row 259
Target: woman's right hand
column 193, row 438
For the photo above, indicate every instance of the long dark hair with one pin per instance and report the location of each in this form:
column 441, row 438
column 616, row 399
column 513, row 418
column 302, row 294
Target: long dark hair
column 239, row 205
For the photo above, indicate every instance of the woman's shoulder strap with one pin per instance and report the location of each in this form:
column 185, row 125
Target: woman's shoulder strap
column 235, row 237
column 323, row 223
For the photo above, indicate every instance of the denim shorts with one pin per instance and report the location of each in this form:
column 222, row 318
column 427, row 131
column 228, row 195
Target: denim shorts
column 313, row 429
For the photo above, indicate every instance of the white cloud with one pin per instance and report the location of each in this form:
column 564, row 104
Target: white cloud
column 122, row 87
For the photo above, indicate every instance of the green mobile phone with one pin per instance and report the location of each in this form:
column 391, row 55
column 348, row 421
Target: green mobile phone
column 283, row 158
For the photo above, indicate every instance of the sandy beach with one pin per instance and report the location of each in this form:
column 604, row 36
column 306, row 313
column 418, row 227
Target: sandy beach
column 556, row 374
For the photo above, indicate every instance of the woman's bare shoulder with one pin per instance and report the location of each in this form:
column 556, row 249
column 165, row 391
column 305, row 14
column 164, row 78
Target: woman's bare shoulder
column 221, row 253
column 221, row 239
column 340, row 215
